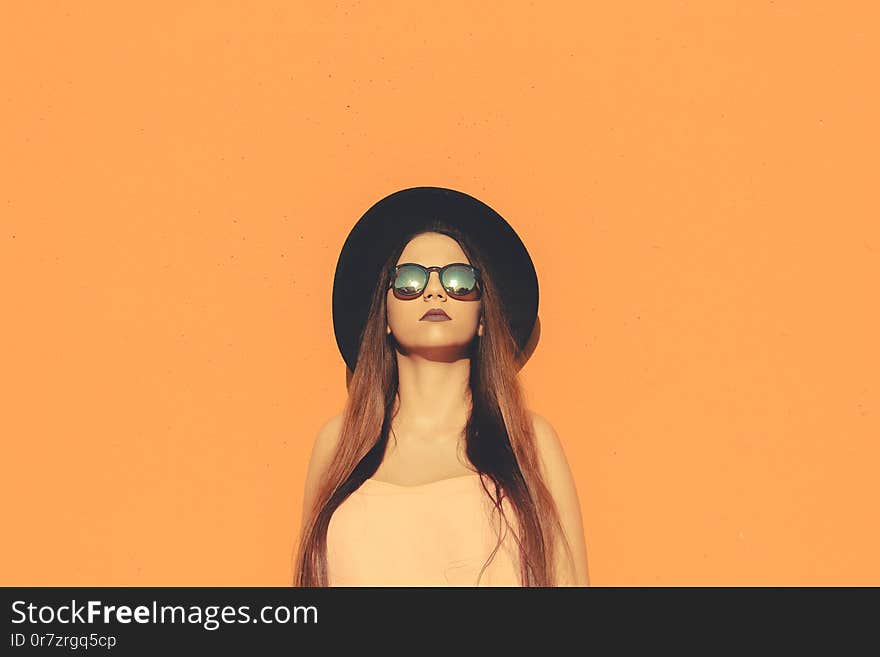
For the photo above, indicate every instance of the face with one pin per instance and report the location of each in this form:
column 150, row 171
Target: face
column 436, row 340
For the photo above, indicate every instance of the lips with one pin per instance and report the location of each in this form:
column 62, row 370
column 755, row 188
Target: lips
column 435, row 315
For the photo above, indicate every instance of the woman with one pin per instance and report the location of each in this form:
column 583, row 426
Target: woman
column 436, row 473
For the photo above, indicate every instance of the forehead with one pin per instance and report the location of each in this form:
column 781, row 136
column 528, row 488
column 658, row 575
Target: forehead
column 431, row 249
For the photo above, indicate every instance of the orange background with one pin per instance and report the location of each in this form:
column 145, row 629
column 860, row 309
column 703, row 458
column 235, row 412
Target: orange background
column 696, row 183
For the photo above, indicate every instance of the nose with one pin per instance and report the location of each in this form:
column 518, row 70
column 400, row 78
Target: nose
column 434, row 289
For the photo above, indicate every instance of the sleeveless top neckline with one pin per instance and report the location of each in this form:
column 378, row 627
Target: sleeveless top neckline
column 440, row 533
column 375, row 487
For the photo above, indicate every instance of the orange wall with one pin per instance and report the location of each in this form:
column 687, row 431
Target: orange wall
column 696, row 182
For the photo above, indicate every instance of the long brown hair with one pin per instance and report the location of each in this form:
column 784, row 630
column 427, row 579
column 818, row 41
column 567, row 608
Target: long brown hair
column 499, row 435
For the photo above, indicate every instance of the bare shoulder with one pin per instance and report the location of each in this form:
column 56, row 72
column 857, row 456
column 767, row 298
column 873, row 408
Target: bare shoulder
column 325, row 445
column 550, row 449
column 560, row 481
column 323, row 449
column 328, row 434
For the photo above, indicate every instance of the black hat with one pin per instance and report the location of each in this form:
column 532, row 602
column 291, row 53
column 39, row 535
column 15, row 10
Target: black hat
column 389, row 221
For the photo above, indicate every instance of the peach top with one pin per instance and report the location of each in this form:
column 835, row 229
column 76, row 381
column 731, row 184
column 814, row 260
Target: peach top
column 434, row 534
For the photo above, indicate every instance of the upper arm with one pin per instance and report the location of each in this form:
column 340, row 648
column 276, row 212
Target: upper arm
column 558, row 477
column 322, row 452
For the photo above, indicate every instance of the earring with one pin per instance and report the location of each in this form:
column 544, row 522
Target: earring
column 387, row 330
column 480, row 330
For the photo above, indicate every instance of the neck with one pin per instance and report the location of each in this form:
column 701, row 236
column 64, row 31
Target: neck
column 432, row 394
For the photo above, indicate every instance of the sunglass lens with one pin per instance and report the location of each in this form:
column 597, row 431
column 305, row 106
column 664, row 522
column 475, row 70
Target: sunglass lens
column 459, row 281
column 410, row 280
